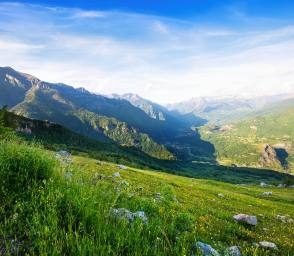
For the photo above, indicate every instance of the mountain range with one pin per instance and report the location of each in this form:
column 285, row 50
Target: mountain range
column 224, row 109
column 207, row 130
column 127, row 120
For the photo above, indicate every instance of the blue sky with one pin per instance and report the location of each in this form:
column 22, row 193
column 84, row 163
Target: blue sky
column 166, row 51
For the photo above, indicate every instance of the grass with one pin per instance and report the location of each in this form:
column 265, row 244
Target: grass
column 55, row 208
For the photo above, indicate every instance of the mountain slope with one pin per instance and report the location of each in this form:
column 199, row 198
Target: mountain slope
column 79, row 110
column 265, row 139
column 56, row 137
column 86, row 113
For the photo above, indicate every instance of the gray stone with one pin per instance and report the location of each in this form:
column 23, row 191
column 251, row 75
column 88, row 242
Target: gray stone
column 263, row 184
column 249, row 219
column 116, row 175
column 121, row 166
column 124, row 183
column 205, row 249
column 268, row 193
column 220, row 195
column 284, row 219
column 158, row 197
column 268, row 245
column 233, row 251
column 122, row 213
column 282, row 186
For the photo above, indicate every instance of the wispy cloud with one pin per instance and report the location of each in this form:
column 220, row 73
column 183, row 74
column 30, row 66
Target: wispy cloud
column 160, row 58
column 80, row 14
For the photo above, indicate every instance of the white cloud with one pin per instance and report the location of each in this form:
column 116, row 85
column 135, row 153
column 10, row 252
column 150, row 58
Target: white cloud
column 79, row 14
column 162, row 59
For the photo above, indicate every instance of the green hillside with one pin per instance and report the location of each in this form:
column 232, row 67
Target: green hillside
column 69, row 205
column 242, row 143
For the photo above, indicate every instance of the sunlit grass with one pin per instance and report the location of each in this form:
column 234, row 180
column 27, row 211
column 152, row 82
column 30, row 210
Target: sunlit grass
column 61, row 214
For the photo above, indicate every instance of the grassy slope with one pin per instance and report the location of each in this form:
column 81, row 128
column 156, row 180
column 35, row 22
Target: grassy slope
column 242, row 144
column 70, row 215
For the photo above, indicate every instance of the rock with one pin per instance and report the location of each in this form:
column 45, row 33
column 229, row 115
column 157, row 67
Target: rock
column 121, row 166
column 291, row 186
column 122, row 213
column 124, row 183
column 233, row 251
column 284, row 219
column 158, row 197
column 248, row 219
column 220, row 195
column 63, row 156
column 262, row 184
column 268, row 193
column 116, row 175
column 206, row 249
column 282, row 186
column 268, row 245
column 268, row 156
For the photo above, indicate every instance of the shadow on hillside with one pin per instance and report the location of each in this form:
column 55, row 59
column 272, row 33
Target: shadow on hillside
column 282, row 156
column 234, row 175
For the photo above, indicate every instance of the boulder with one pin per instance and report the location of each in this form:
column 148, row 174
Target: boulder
column 262, row 184
column 284, row 219
column 268, row 245
column 205, row 249
column 268, row 193
column 121, row 166
column 116, row 175
column 282, row 186
column 220, row 195
column 244, row 218
column 122, row 213
column 233, row 251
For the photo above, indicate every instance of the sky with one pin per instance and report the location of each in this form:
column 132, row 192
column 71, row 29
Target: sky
column 165, row 51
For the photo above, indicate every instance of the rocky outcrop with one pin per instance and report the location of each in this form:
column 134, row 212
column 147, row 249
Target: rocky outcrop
column 268, row 156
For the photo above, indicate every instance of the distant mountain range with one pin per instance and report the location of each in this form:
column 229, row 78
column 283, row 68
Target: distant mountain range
column 222, row 110
column 126, row 120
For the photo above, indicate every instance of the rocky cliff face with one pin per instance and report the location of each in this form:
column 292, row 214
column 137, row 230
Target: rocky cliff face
column 269, row 156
